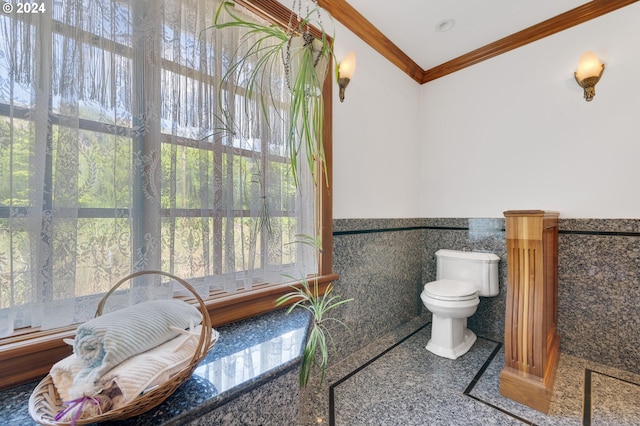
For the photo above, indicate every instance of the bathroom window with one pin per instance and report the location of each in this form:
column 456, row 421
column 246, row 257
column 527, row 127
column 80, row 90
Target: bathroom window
column 112, row 161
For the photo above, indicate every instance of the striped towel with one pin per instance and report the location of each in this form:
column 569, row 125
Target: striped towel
column 132, row 377
column 105, row 341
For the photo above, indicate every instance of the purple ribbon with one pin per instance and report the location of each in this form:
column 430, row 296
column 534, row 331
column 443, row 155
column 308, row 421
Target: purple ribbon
column 75, row 403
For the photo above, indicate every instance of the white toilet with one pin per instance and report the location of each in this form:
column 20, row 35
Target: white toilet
column 461, row 276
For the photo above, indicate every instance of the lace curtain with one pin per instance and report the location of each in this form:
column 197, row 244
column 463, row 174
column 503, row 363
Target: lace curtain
column 114, row 159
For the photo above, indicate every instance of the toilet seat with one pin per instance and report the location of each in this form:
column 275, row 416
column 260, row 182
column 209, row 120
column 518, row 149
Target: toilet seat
column 450, row 290
column 450, row 303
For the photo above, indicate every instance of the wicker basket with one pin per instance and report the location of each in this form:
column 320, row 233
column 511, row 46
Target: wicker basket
column 45, row 403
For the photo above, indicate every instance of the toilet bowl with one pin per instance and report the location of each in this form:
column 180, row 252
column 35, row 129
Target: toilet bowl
column 450, row 303
column 461, row 278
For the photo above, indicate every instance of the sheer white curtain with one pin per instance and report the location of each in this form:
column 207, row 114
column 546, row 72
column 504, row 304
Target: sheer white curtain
column 113, row 159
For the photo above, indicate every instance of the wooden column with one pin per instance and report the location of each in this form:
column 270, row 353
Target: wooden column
column 532, row 344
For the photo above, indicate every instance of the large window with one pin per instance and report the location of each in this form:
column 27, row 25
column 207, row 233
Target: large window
column 113, row 160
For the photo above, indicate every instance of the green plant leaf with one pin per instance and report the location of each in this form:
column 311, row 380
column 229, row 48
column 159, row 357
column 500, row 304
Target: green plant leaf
column 306, row 112
column 316, row 351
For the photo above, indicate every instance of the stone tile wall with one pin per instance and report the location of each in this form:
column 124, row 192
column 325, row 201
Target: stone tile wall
column 380, row 267
column 599, row 290
column 384, row 263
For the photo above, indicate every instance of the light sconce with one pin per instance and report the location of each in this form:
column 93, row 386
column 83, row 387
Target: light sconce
column 589, row 71
column 345, row 71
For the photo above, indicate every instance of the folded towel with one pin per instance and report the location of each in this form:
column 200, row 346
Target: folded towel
column 105, row 341
column 63, row 372
column 132, row 377
column 144, row 372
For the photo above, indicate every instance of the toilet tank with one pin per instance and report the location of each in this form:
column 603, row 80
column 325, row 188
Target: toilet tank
column 481, row 269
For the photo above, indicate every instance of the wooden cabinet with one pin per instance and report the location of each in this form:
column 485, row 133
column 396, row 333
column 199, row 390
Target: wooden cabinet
column 531, row 343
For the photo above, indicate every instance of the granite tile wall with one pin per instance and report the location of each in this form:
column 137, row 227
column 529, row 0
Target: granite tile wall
column 273, row 403
column 599, row 290
column 379, row 262
column 384, row 263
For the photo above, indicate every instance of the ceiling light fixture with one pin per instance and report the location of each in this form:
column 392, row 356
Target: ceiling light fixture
column 588, row 74
column 445, row 25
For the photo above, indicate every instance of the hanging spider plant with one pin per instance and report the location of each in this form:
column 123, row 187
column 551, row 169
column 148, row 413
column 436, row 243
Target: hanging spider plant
column 262, row 50
column 316, row 350
column 305, row 59
column 307, row 70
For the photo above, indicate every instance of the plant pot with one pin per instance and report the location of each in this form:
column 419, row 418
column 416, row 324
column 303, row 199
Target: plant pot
column 306, row 60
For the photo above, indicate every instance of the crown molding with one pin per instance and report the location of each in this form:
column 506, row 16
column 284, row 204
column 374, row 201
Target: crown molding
column 344, row 13
column 360, row 26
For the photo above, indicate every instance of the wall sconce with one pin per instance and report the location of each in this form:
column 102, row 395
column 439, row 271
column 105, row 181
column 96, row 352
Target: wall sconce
column 345, row 71
column 589, row 71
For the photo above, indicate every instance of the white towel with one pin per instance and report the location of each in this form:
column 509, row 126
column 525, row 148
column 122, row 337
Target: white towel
column 132, row 377
column 106, row 341
column 63, row 372
column 144, row 372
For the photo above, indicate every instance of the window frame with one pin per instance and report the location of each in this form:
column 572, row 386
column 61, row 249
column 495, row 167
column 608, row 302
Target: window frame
column 29, row 355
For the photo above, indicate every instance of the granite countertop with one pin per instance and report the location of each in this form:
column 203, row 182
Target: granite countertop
column 248, row 353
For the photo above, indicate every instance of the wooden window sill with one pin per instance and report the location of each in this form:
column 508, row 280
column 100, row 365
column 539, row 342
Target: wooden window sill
column 28, row 357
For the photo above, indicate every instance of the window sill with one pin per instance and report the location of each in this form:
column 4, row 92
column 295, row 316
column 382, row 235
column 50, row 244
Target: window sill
column 265, row 347
column 240, row 305
column 29, row 359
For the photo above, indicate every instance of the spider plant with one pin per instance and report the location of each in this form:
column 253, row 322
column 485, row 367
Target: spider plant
column 261, row 49
column 316, row 350
column 307, row 104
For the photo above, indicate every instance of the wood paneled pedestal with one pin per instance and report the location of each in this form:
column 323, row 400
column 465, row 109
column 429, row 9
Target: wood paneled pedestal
column 532, row 345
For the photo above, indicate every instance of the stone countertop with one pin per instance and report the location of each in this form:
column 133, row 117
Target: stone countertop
column 247, row 354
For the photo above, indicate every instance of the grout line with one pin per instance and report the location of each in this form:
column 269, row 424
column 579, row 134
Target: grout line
column 502, row 410
column 377, row 231
column 332, row 414
column 489, row 229
column 614, row 377
column 480, row 373
column 484, row 367
column 415, row 228
column 600, row 233
column 586, row 401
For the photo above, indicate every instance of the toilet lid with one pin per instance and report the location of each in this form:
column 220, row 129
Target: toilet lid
column 451, row 290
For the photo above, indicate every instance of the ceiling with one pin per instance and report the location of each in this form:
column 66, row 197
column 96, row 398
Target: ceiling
column 412, row 24
column 406, row 31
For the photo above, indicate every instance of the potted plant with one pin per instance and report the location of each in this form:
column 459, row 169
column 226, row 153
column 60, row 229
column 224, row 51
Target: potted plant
column 316, row 350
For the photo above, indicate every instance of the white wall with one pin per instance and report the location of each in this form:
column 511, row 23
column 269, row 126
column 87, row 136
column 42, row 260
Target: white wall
column 375, row 137
column 514, row 132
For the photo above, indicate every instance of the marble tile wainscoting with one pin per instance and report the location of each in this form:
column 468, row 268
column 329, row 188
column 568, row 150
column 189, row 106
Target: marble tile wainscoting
column 383, row 264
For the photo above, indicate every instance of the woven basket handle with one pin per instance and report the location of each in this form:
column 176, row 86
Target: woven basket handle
column 205, row 335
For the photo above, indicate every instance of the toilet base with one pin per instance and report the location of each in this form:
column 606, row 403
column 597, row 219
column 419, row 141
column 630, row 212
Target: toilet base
column 450, row 337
